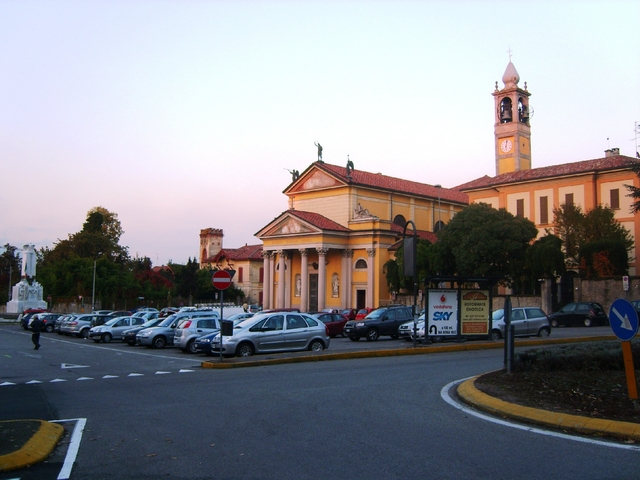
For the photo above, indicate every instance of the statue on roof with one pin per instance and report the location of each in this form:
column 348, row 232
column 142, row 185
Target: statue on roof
column 319, row 151
column 295, row 174
column 349, row 167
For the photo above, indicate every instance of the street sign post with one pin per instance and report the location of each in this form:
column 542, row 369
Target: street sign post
column 221, row 279
column 624, row 323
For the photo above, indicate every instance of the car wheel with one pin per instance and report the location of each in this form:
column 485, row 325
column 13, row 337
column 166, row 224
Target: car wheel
column 354, row 339
column 84, row 333
column 316, row 346
column 106, row 337
column 159, row 342
column 191, row 347
column 544, row 332
column 554, row 323
column 49, row 329
column 496, row 335
column 372, row 335
column 245, row 350
column 587, row 322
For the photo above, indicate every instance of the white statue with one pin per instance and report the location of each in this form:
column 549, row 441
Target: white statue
column 28, row 261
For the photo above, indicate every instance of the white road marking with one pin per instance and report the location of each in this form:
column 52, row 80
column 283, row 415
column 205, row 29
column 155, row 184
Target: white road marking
column 444, row 393
column 161, row 373
column 185, row 371
column 110, row 376
column 84, row 378
column 6, row 383
column 57, row 380
column 135, row 375
column 33, row 381
column 71, row 365
column 74, row 445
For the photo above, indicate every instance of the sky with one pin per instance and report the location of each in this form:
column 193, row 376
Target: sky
column 184, row 115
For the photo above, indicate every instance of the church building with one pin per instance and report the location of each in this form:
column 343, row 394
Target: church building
column 534, row 193
column 328, row 250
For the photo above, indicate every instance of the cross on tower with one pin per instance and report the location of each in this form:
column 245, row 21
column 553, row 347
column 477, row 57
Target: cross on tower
column 509, row 52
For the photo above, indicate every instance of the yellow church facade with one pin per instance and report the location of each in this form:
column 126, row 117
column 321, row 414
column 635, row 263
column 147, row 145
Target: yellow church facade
column 328, row 250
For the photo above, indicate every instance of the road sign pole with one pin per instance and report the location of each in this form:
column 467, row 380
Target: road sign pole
column 221, row 317
column 632, row 385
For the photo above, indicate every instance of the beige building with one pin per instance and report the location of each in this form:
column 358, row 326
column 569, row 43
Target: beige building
column 329, row 248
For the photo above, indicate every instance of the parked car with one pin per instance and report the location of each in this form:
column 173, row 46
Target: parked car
column 383, row 321
column 102, row 312
column 189, row 330
column 274, row 332
column 334, row 322
column 129, row 335
column 120, row 313
column 349, row 312
column 27, row 315
column 162, row 335
column 61, row 321
column 80, row 324
column 49, row 320
column 165, row 312
column 203, row 343
column 406, row 329
column 363, row 312
column 527, row 321
column 113, row 328
column 581, row 313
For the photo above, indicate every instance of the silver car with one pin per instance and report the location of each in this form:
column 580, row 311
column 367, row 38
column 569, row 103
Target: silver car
column 188, row 331
column 113, row 329
column 164, row 333
column 274, row 332
column 526, row 321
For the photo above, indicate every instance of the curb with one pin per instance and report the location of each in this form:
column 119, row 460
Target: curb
column 37, row 448
column 584, row 425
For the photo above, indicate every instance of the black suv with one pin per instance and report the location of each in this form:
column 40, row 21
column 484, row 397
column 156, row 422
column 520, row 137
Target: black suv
column 383, row 321
column 587, row 314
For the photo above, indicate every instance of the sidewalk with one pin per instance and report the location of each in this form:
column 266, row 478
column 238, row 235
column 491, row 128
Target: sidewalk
column 25, row 442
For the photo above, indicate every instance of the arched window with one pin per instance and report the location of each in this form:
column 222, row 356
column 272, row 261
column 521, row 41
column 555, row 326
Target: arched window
column 399, row 220
column 438, row 226
column 361, row 263
column 523, row 111
column 506, row 114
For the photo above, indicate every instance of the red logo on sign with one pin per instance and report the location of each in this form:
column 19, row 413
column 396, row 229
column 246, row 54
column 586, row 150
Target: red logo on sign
column 443, row 299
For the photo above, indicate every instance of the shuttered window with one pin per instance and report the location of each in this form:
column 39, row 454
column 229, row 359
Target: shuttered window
column 520, row 208
column 544, row 209
column 615, row 198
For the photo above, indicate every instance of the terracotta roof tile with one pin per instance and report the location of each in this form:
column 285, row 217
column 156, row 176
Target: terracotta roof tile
column 318, row 220
column 248, row 252
column 384, row 182
column 598, row 165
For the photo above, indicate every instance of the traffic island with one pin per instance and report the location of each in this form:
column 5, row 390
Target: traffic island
column 26, row 442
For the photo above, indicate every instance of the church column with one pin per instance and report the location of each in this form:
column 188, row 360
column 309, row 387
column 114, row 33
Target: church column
column 288, row 260
column 272, row 279
column 304, row 277
column 370, row 277
column 322, row 277
column 281, row 279
column 266, row 279
column 347, row 255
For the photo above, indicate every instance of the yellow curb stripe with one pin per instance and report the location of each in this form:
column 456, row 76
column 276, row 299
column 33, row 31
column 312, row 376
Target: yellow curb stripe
column 470, row 394
column 37, row 449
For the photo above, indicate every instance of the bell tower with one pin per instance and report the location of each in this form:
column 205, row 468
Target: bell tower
column 511, row 129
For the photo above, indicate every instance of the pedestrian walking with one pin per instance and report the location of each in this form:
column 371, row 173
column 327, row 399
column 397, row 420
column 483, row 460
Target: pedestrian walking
column 36, row 328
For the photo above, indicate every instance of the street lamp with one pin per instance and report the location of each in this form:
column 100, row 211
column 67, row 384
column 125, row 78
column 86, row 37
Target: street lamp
column 93, row 294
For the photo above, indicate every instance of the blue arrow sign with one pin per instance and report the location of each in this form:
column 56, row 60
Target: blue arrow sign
column 623, row 319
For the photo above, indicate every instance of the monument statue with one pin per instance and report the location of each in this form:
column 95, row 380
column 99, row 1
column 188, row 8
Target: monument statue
column 27, row 293
column 319, row 151
column 295, row 174
column 349, row 167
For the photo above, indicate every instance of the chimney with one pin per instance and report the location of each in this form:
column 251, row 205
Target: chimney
column 612, row 152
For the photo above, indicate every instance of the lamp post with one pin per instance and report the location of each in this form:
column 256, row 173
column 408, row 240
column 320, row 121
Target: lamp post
column 93, row 293
column 410, row 269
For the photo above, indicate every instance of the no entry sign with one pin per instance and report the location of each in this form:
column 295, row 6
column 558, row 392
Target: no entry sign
column 221, row 279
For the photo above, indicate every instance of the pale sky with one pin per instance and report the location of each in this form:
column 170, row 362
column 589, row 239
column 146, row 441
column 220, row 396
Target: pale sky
column 183, row 115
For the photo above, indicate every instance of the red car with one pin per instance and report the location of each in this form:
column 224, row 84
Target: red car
column 363, row 312
column 334, row 322
column 350, row 313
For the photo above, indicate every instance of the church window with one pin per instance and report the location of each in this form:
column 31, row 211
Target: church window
column 544, row 210
column 615, row 198
column 523, row 111
column 399, row 220
column 568, row 199
column 520, row 207
column 438, row 226
column 361, row 263
column 506, row 114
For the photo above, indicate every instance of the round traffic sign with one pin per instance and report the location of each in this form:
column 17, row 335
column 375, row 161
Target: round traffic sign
column 623, row 319
column 221, row 279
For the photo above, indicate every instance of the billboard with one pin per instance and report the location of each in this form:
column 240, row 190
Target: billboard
column 474, row 312
column 442, row 313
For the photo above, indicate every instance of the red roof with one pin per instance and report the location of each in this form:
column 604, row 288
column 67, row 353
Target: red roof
column 615, row 162
column 383, row 182
column 248, row 252
column 317, row 220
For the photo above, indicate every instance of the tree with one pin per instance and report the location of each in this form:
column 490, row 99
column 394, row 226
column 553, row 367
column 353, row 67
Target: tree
column 9, row 271
column 634, row 192
column 483, row 241
column 569, row 227
column 544, row 258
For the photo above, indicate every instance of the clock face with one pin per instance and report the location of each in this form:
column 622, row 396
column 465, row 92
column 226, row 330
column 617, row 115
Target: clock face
column 506, row 146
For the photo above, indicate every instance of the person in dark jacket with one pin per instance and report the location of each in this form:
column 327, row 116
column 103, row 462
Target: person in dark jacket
column 36, row 328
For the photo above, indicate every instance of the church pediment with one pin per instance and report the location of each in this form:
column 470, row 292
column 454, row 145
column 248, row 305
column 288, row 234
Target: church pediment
column 289, row 226
column 316, row 180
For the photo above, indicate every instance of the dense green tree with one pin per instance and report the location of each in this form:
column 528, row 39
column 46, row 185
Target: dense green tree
column 569, row 227
column 483, row 241
column 10, row 265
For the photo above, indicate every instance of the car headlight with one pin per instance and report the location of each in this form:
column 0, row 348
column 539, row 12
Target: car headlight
column 144, row 334
column 204, row 340
column 360, row 324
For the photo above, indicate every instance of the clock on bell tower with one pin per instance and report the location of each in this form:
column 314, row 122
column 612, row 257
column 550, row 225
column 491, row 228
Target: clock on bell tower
column 512, row 130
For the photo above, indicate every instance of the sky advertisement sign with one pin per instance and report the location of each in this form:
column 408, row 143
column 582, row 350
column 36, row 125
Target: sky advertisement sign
column 442, row 314
column 474, row 312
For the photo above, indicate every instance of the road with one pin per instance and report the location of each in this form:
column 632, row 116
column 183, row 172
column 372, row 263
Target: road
column 152, row 413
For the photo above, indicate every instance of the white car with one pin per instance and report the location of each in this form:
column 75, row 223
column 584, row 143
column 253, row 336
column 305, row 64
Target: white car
column 113, row 328
column 406, row 329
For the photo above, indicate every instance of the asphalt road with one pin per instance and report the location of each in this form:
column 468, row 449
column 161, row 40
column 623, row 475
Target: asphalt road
column 156, row 413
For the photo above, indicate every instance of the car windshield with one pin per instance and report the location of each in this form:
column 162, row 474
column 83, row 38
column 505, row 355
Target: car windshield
column 498, row 314
column 150, row 323
column 249, row 321
column 111, row 322
column 167, row 321
column 377, row 313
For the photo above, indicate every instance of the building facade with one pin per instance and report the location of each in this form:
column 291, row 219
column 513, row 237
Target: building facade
column 328, row 250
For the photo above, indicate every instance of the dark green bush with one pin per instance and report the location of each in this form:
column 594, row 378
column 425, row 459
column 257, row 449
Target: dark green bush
column 591, row 356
